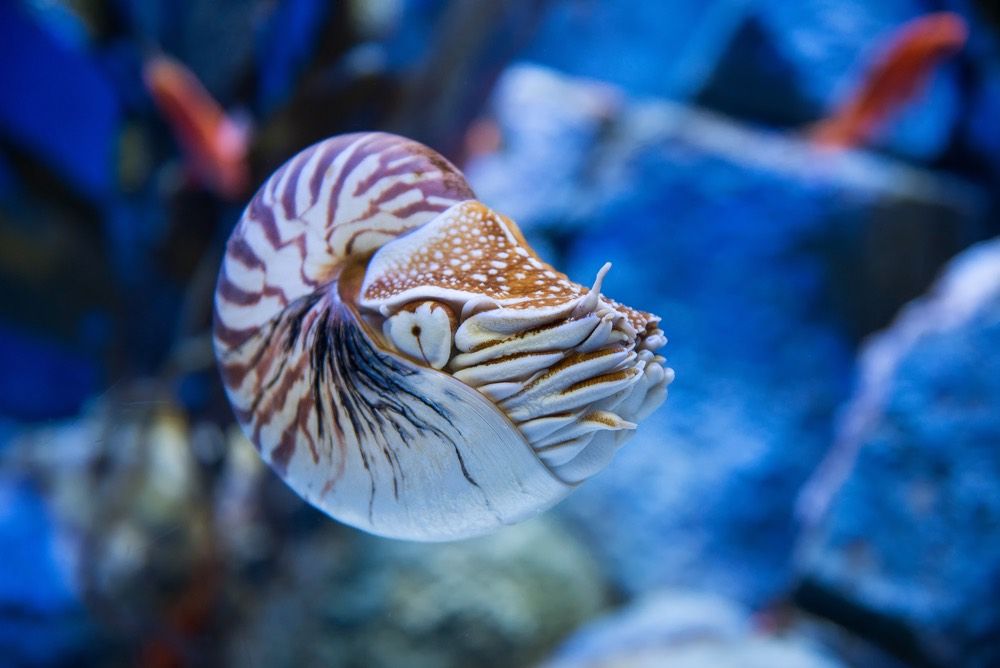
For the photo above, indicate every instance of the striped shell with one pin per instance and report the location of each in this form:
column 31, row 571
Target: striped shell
column 404, row 360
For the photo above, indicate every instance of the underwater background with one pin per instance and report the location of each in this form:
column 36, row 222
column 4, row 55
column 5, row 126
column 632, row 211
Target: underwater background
column 807, row 192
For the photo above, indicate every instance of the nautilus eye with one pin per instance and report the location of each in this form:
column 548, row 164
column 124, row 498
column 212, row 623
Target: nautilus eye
column 423, row 330
column 405, row 361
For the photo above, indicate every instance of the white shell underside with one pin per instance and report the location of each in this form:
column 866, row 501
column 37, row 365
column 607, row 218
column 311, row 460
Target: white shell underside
column 472, row 476
column 418, row 454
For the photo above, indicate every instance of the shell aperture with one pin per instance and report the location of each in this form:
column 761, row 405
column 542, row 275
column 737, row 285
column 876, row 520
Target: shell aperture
column 405, row 361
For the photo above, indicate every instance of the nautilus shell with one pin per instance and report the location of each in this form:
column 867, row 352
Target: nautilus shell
column 404, row 360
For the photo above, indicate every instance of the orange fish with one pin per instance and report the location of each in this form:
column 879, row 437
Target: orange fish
column 214, row 145
column 894, row 79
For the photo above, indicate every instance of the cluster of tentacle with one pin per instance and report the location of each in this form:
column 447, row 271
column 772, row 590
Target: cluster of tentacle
column 467, row 295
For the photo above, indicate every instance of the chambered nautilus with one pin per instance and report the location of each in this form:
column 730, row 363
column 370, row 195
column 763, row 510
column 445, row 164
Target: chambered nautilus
column 403, row 359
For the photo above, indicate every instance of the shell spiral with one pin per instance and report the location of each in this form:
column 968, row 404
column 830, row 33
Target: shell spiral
column 403, row 359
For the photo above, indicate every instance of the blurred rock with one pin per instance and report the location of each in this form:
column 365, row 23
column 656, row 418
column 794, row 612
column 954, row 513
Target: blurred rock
column 122, row 485
column 654, row 620
column 748, row 653
column 768, row 260
column 903, row 517
column 541, row 173
column 682, row 630
column 345, row 599
column 136, row 535
column 471, row 42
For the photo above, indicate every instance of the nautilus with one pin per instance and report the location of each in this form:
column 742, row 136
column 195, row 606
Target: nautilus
column 404, row 360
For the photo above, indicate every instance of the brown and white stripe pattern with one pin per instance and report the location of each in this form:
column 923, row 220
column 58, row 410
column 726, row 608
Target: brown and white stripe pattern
column 336, row 200
column 341, row 198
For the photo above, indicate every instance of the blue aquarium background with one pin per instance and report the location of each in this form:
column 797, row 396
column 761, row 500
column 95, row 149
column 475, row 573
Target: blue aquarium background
column 822, row 486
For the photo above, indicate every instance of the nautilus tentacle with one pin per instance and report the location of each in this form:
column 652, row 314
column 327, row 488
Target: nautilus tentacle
column 402, row 357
